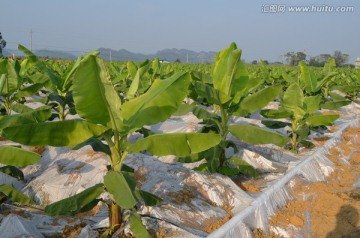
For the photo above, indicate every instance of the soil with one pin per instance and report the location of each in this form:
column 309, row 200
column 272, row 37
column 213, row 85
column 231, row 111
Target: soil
column 327, row 209
column 214, row 225
column 72, row 232
column 38, row 149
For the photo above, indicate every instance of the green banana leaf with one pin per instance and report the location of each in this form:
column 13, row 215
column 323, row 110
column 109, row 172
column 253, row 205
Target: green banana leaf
column 14, row 195
column 322, row 120
column 229, row 74
column 3, row 81
column 334, row 105
column 40, row 65
column 275, row 114
column 81, row 202
column 198, row 111
column 326, row 79
column 132, row 69
column 180, row 144
column 68, row 76
column 137, row 226
column 12, row 171
column 14, row 156
column 59, row 133
column 347, row 88
column 29, row 91
column 275, row 124
column 37, row 115
column 293, row 101
column 336, row 96
column 254, row 135
column 303, row 132
column 156, row 66
column 244, row 167
column 143, row 68
column 293, row 98
column 94, row 95
column 228, row 171
column 158, row 103
column 312, row 103
column 10, row 80
column 21, row 108
column 202, row 77
column 260, row 99
column 148, row 198
column 117, row 185
column 305, row 76
column 212, row 95
column 96, row 144
column 329, row 65
column 250, row 86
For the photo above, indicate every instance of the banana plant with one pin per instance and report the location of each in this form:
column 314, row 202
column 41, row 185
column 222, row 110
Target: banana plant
column 12, row 87
column 348, row 84
column 140, row 81
column 133, row 80
column 301, row 111
column 232, row 93
column 105, row 117
column 59, row 93
column 13, row 157
column 320, row 85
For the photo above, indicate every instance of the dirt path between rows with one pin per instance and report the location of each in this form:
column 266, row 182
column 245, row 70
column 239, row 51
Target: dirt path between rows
column 327, row 209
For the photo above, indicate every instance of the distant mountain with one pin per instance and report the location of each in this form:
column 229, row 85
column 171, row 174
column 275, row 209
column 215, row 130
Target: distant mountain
column 54, row 54
column 170, row 55
column 122, row 55
column 51, row 54
column 186, row 56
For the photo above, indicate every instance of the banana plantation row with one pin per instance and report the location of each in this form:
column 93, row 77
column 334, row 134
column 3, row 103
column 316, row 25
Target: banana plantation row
column 110, row 101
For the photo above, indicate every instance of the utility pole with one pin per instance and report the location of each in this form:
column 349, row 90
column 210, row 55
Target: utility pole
column 187, row 57
column 110, row 57
column 31, row 40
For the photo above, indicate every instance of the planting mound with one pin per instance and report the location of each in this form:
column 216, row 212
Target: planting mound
column 331, row 208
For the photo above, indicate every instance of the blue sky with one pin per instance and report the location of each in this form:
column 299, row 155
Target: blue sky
column 201, row 25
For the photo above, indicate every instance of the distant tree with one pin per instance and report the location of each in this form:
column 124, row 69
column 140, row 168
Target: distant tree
column 319, row 60
column 315, row 62
column 254, row 62
column 266, row 62
column 177, row 60
column 294, row 59
column 323, row 58
column 2, row 44
column 340, row 58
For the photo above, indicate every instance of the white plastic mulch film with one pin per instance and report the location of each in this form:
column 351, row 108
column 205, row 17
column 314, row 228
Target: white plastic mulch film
column 312, row 168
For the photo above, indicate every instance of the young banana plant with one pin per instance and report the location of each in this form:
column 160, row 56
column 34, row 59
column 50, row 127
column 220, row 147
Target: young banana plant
column 232, row 93
column 59, row 86
column 103, row 115
column 12, row 88
column 319, row 85
column 301, row 111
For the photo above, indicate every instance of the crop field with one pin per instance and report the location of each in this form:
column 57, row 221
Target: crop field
column 92, row 148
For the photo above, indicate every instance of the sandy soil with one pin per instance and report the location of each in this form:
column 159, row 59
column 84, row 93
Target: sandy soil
column 327, row 209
